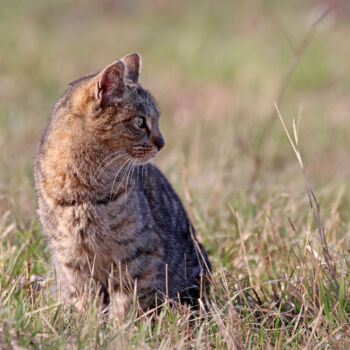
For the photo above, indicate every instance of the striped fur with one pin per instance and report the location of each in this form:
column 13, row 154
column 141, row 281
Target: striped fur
column 109, row 215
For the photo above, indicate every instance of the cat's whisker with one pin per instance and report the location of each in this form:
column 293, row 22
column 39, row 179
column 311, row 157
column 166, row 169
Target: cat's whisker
column 126, row 171
column 127, row 178
column 105, row 159
column 95, row 178
column 133, row 170
column 132, row 175
column 109, row 163
column 137, row 172
column 115, row 159
column 115, row 177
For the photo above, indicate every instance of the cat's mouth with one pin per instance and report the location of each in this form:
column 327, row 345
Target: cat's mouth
column 144, row 154
column 146, row 158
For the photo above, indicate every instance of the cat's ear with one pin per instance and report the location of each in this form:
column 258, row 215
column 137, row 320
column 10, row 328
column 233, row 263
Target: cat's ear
column 133, row 63
column 111, row 81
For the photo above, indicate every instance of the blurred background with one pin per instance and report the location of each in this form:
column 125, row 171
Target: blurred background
column 216, row 69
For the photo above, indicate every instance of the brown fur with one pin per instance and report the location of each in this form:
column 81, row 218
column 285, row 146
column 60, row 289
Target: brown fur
column 110, row 217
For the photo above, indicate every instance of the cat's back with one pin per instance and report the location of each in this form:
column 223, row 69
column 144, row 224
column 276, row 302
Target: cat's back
column 183, row 254
column 167, row 209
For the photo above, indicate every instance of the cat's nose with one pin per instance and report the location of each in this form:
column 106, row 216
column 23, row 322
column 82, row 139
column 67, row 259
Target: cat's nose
column 159, row 142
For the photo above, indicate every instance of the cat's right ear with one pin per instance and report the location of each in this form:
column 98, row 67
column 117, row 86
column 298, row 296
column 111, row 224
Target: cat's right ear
column 111, row 82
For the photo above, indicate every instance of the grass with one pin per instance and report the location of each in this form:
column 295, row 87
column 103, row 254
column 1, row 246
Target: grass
column 280, row 267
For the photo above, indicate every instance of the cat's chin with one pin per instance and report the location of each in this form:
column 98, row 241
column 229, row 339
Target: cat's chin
column 143, row 161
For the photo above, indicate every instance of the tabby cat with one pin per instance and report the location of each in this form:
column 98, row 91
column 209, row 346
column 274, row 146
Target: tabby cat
column 113, row 222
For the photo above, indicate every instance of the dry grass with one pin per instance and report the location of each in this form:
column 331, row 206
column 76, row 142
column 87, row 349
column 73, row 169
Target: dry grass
column 280, row 248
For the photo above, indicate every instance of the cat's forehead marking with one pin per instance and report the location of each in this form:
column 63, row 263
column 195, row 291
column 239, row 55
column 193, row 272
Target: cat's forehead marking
column 141, row 108
column 142, row 93
column 148, row 103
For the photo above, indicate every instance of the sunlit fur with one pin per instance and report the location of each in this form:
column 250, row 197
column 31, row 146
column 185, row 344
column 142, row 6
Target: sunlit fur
column 109, row 216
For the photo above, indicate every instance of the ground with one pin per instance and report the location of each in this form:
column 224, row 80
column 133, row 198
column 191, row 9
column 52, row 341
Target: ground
column 280, row 269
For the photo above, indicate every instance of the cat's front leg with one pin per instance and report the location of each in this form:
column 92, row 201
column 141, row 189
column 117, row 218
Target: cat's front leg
column 76, row 285
column 121, row 304
column 67, row 285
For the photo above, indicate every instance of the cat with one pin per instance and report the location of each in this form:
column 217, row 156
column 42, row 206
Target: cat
column 111, row 218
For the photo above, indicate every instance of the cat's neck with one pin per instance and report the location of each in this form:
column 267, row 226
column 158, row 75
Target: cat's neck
column 77, row 169
column 80, row 175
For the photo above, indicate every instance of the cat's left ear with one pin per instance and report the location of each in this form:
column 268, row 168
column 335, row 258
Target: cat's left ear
column 111, row 81
column 133, row 63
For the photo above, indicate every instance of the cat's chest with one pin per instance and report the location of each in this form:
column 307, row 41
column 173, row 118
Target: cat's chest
column 129, row 228
column 127, row 219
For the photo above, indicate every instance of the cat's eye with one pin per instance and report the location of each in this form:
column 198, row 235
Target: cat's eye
column 140, row 122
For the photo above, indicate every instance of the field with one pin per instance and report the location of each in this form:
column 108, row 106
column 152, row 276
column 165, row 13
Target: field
column 278, row 233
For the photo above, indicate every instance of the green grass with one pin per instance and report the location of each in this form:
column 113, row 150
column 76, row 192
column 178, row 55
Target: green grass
column 215, row 70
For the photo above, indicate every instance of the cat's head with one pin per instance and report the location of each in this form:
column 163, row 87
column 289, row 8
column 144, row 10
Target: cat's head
column 118, row 112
